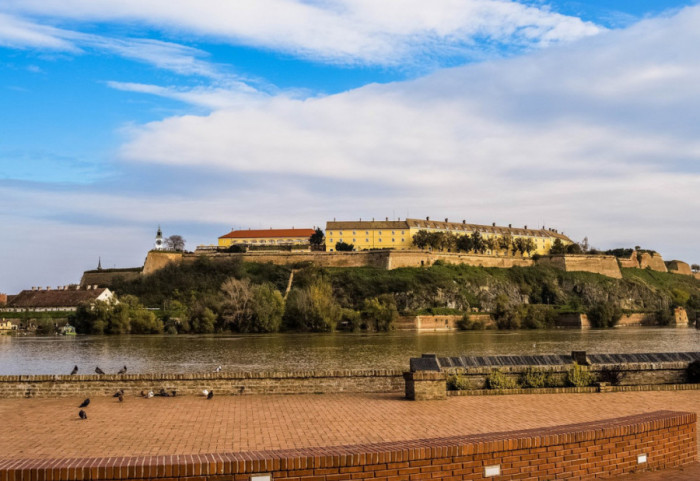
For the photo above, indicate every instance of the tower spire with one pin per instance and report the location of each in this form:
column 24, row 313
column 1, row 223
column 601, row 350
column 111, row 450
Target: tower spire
column 99, row 263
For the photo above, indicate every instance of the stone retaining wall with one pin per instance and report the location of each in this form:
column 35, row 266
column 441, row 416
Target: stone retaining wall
column 585, row 451
column 193, row 384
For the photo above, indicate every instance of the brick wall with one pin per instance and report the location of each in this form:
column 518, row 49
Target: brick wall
column 652, row 261
column 605, row 265
column 190, row 384
column 679, row 267
column 156, row 260
column 580, row 451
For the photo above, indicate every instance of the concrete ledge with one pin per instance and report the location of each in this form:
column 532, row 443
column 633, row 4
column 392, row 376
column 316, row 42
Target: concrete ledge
column 582, row 451
column 575, row 390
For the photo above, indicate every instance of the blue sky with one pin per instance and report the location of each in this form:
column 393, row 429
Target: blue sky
column 119, row 116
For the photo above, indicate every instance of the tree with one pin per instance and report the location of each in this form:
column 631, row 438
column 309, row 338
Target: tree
column 478, row 244
column 574, row 249
column 695, row 267
column 344, row 247
column 491, row 244
column 312, row 308
column 317, row 239
column 237, row 298
column 558, row 247
column 421, row 239
column 382, row 311
column 505, row 242
column 604, row 314
column 175, row 242
column 464, row 243
column 267, row 308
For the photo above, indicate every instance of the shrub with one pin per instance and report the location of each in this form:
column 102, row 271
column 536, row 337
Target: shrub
column 539, row 317
column 499, row 380
column 266, row 310
column 579, row 376
column 455, row 382
column 344, row 247
column 664, row 317
column 506, row 315
column 693, row 372
column 613, row 375
column 604, row 315
column 350, row 320
column 534, row 377
column 468, row 324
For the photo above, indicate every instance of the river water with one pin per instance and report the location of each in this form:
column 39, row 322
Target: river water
column 292, row 352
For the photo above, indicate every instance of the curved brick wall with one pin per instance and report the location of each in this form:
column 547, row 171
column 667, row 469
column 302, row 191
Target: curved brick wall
column 578, row 451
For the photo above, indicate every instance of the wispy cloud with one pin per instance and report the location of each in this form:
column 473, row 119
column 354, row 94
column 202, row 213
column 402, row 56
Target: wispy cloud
column 389, row 32
column 20, row 33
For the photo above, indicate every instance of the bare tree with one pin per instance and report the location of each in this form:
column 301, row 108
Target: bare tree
column 175, row 243
column 237, row 296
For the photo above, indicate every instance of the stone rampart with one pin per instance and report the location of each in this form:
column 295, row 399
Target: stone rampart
column 156, row 260
column 585, row 451
column 679, row 267
column 105, row 277
column 418, row 258
column 323, row 259
column 598, row 264
column 653, row 261
column 310, row 382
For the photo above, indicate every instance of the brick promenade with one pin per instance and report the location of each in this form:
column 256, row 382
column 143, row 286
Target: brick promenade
column 50, row 428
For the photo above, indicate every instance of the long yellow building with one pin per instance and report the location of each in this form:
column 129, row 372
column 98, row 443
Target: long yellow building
column 266, row 237
column 398, row 234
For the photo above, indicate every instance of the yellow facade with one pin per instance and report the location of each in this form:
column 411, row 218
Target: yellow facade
column 399, row 234
column 266, row 237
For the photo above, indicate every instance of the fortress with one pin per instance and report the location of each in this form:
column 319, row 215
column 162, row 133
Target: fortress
column 389, row 244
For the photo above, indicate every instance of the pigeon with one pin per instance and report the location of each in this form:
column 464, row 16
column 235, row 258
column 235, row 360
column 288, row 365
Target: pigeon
column 118, row 393
column 74, row 371
column 218, row 369
column 122, row 370
column 210, row 395
column 82, row 414
column 121, row 397
column 85, row 403
column 173, row 393
column 150, row 394
column 98, row 370
column 163, row 393
column 143, row 393
column 205, row 393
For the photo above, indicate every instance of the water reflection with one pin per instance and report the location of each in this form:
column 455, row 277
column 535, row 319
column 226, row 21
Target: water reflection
column 291, row 352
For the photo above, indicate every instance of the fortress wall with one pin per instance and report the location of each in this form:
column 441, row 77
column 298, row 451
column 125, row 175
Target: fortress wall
column 654, row 261
column 156, row 260
column 605, row 265
column 323, row 259
column 679, row 267
column 104, row 278
column 631, row 263
column 637, row 319
column 418, row 258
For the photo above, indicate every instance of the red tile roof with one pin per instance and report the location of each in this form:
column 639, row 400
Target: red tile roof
column 54, row 298
column 255, row 234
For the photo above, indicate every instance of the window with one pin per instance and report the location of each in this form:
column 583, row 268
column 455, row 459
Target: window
column 403, row 240
column 367, row 240
column 366, row 232
column 393, row 240
column 354, row 233
column 380, row 239
column 354, row 240
column 330, row 232
column 393, row 233
column 380, row 232
column 402, row 232
column 340, row 233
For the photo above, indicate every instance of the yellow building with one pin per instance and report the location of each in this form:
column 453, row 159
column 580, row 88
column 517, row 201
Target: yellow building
column 266, row 237
column 398, row 234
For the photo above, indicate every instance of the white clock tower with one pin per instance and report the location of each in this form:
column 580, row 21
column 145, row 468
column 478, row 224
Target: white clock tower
column 159, row 244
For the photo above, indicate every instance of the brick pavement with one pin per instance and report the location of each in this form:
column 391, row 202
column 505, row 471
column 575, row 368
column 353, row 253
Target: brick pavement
column 43, row 428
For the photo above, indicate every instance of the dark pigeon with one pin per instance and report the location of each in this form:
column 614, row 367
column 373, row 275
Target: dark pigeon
column 210, row 395
column 82, row 414
column 85, row 403
column 118, row 393
column 74, row 371
column 122, row 370
column 98, row 370
column 121, row 397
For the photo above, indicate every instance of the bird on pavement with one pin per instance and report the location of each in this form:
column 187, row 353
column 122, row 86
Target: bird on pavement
column 74, row 371
column 121, row 397
column 98, row 370
column 218, row 369
column 205, row 393
column 210, row 395
column 163, row 393
column 85, row 403
column 122, row 370
column 118, row 393
column 149, row 395
column 82, row 414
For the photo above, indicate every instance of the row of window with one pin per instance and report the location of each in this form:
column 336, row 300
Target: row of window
column 330, row 241
column 330, row 233
column 271, row 241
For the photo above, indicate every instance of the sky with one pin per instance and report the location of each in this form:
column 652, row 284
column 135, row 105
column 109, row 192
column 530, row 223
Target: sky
column 119, row 116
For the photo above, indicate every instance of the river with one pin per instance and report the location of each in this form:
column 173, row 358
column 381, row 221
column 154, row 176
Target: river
column 292, row 352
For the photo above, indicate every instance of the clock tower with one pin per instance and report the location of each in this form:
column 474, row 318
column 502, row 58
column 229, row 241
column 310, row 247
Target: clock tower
column 159, row 245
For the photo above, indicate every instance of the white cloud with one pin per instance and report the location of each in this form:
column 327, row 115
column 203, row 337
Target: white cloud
column 345, row 31
column 17, row 32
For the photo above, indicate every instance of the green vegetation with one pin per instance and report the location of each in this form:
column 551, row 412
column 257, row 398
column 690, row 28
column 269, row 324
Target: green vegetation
column 456, row 382
column 579, row 376
column 497, row 379
column 126, row 317
column 230, row 295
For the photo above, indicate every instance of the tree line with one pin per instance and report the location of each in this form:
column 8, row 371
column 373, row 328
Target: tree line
column 473, row 242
